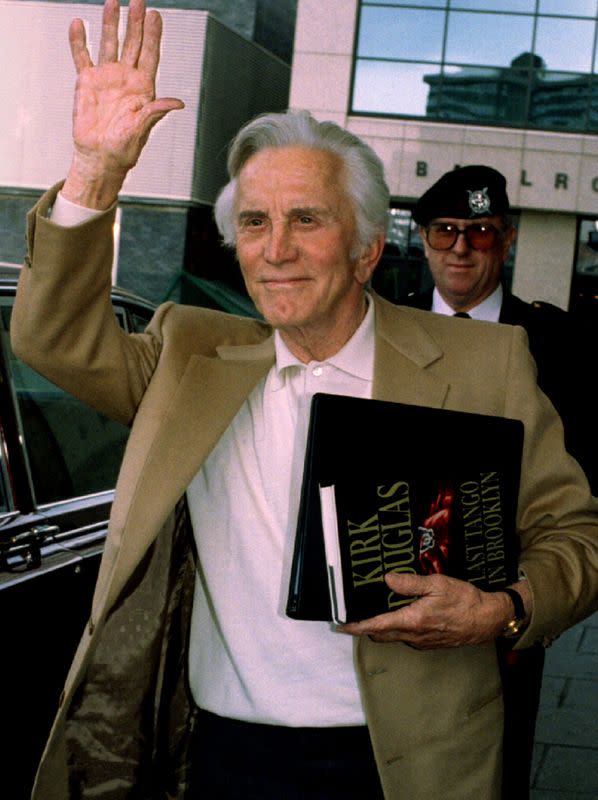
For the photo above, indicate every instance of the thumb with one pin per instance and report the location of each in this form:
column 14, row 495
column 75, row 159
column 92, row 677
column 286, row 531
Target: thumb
column 153, row 112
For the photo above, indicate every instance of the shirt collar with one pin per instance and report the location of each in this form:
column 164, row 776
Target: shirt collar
column 356, row 357
column 488, row 309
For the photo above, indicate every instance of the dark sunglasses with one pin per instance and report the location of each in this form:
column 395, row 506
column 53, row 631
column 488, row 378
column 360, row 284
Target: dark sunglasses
column 479, row 235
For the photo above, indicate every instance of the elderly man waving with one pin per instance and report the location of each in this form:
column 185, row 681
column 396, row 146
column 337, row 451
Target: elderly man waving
column 189, row 680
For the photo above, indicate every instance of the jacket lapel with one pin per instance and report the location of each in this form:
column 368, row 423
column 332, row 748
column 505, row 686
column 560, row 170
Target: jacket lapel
column 187, row 434
column 404, row 351
column 163, row 464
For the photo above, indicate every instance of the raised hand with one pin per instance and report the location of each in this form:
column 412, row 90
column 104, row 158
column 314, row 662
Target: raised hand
column 115, row 104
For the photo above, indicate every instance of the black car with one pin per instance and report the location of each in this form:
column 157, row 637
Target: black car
column 58, row 465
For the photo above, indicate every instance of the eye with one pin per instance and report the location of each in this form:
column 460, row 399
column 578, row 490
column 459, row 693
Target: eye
column 445, row 227
column 251, row 223
column 306, row 219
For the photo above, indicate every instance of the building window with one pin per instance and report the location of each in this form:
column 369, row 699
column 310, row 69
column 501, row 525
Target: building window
column 495, row 62
column 402, row 269
column 584, row 283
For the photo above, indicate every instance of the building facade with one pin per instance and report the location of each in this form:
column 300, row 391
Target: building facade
column 268, row 23
column 439, row 83
column 166, row 245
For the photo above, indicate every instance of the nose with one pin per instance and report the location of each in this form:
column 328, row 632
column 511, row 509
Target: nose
column 279, row 246
column 461, row 244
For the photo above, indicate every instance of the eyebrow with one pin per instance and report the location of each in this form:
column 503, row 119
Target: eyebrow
column 249, row 214
column 311, row 211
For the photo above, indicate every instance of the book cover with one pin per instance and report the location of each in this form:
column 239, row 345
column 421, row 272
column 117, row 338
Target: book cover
column 401, row 488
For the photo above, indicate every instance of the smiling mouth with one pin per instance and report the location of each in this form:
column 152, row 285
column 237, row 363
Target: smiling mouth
column 282, row 282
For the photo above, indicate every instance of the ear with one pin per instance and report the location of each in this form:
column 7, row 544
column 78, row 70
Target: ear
column 365, row 263
column 422, row 236
column 509, row 239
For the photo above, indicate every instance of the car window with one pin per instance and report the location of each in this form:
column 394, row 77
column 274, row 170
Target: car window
column 5, row 503
column 4, row 508
column 138, row 321
column 72, row 450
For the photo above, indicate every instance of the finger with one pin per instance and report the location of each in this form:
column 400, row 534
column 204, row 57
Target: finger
column 386, row 637
column 78, row 43
column 109, row 40
column 407, row 584
column 134, row 33
column 150, row 49
column 380, row 636
column 374, row 626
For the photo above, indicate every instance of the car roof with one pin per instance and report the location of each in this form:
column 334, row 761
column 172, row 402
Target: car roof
column 9, row 275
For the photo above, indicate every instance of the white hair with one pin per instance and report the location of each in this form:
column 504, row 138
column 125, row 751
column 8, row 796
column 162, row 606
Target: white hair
column 363, row 174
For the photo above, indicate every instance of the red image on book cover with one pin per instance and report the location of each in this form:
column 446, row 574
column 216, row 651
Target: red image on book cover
column 434, row 533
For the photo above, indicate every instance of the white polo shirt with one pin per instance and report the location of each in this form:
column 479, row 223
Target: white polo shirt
column 247, row 659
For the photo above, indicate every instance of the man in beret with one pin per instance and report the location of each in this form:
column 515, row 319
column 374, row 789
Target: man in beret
column 465, row 227
column 467, row 236
column 466, row 231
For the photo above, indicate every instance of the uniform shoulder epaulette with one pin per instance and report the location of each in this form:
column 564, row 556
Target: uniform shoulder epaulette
column 542, row 305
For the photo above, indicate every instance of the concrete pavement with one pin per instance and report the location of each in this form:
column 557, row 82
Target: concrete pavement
column 566, row 751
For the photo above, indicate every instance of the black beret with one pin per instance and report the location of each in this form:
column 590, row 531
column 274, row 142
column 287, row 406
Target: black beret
column 464, row 193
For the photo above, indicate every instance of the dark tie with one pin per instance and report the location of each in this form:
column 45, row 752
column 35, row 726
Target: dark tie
column 462, row 314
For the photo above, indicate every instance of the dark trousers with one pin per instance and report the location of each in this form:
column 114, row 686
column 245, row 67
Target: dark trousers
column 236, row 760
column 249, row 761
column 521, row 674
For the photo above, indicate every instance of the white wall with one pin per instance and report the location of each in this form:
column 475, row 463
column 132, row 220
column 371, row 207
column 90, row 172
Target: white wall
column 184, row 158
column 545, row 253
column 37, row 94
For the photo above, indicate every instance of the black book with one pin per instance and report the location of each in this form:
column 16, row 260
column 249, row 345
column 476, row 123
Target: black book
column 404, row 488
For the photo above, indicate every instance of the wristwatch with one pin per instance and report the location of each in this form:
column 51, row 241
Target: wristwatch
column 514, row 626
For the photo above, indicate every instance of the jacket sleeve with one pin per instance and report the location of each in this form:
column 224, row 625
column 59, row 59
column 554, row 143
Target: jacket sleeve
column 63, row 324
column 557, row 517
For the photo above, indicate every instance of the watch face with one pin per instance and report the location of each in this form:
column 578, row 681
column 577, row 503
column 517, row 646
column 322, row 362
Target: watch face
column 512, row 629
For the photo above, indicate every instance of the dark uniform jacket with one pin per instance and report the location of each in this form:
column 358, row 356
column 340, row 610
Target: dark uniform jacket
column 559, row 344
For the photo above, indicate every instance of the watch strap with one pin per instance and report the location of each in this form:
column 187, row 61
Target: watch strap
column 514, row 626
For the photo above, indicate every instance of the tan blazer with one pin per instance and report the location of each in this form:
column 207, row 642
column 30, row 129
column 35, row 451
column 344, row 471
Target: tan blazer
column 435, row 718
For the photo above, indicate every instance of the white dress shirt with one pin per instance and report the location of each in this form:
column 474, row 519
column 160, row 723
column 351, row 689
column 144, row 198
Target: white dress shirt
column 68, row 214
column 488, row 309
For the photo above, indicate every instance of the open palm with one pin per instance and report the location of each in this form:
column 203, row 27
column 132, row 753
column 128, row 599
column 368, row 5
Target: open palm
column 115, row 104
column 113, row 113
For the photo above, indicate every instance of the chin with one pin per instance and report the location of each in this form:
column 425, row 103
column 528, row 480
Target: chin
column 281, row 315
column 283, row 322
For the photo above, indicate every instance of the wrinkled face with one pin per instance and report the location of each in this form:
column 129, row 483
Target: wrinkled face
column 465, row 276
column 295, row 232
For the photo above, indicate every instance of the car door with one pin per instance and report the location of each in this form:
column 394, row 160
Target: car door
column 59, row 459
